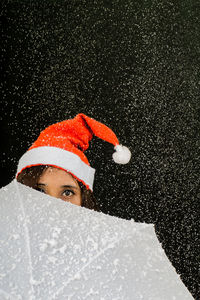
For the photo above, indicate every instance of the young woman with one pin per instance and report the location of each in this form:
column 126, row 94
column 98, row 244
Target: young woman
column 56, row 164
column 58, row 183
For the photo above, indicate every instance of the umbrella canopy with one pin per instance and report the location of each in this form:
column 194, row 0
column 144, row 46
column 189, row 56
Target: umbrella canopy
column 51, row 249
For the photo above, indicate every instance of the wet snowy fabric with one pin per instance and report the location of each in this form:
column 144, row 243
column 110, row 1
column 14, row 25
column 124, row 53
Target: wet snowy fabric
column 55, row 250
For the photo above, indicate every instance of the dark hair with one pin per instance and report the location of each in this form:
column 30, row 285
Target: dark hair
column 30, row 177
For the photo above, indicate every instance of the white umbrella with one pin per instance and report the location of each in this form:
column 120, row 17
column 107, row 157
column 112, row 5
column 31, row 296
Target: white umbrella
column 51, row 249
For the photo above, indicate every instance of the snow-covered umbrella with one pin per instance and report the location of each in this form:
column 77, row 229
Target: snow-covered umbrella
column 51, row 249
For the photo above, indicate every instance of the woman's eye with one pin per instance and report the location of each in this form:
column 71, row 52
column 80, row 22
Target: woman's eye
column 40, row 190
column 68, row 193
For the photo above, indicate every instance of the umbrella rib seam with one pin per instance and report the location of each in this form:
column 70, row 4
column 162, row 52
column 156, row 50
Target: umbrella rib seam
column 87, row 264
column 27, row 237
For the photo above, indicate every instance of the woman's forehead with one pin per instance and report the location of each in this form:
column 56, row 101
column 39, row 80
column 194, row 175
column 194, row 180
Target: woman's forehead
column 58, row 175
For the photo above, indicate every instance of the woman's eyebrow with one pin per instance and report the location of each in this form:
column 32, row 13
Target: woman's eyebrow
column 69, row 186
column 41, row 183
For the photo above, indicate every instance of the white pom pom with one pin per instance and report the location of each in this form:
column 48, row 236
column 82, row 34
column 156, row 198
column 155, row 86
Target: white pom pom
column 122, row 155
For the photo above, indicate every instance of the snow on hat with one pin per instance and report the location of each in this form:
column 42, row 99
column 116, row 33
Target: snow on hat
column 63, row 144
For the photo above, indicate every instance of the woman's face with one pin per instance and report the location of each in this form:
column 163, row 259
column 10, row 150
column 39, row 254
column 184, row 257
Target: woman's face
column 59, row 184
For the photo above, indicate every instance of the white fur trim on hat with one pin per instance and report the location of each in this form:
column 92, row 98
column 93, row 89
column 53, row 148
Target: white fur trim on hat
column 58, row 157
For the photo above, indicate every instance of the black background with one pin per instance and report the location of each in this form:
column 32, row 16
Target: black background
column 133, row 65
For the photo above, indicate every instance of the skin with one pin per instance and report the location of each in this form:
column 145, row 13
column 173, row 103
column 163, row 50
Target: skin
column 60, row 184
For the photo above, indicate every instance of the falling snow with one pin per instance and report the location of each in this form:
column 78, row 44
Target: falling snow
column 133, row 65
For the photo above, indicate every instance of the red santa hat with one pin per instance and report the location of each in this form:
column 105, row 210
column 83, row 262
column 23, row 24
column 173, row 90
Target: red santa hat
column 62, row 145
